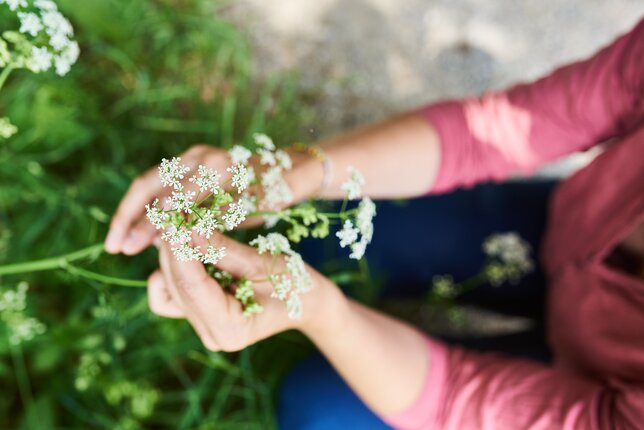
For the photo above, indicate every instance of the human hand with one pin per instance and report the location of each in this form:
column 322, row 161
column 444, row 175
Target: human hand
column 185, row 290
column 130, row 232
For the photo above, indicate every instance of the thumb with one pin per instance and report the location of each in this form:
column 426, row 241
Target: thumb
column 241, row 261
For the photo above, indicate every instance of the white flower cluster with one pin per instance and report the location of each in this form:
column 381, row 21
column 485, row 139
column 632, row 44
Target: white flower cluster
column 187, row 212
column 294, row 280
column 222, row 205
column 353, row 187
column 362, row 227
column 276, row 191
column 7, row 129
column 13, row 304
column 40, row 18
column 510, row 256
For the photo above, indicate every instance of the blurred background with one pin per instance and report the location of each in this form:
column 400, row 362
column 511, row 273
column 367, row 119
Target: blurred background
column 153, row 78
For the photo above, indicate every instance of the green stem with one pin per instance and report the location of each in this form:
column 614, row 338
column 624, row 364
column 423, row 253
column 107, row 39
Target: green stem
column 52, row 263
column 88, row 274
column 5, row 74
column 345, row 202
column 472, row 283
column 64, row 262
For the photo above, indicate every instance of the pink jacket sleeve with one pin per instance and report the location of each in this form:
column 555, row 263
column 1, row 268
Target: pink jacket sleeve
column 468, row 390
column 575, row 107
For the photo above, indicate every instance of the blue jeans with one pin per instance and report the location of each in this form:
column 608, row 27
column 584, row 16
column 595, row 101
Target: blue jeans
column 414, row 241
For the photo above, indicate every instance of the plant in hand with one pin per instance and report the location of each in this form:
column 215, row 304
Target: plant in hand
column 204, row 204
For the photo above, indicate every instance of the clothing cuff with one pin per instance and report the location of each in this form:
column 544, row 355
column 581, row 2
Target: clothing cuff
column 424, row 411
column 448, row 119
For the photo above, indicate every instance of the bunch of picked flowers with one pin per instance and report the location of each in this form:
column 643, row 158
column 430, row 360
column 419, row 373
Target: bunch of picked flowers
column 217, row 205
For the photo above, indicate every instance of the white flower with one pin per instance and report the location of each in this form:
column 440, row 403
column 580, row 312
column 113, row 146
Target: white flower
column 444, row 286
column 68, row 56
column 177, row 236
column 353, row 186
column 235, row 215
column 266, row 158
column 276, row 190
column 20, row 327
column 207, row 224
column 181, row 201
column 59, row 41
column 358, row 249
column 24, row 329
column 71, row 52
column 55, row 22
column 241, row 178
column 271, row 176
column 271, row 221
column 348, row 235
column 29, row 23
column 277, row 194
column 283, row 159
column 172, row 171
column 185, row 252
column 282, row 285
column 14, row 4
column 273, row 243
column 62, row 65
column 364, row 217
column 14, row 301
column 510, row 249
column 6, row 128
column 40, row 59
column 45, row 5
column 294, row 307
column 297, row 269
column 213, row 255
column 239, row 154
column 248, row 202
column 264, row 141
column 156, row 215
column 208, row 179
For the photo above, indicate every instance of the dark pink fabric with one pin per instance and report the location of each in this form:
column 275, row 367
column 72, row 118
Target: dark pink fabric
column 595, row 313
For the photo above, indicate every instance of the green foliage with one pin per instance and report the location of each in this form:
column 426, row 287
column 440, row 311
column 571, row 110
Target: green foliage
column 154, row 77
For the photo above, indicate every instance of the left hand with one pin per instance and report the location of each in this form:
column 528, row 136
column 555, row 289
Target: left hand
column 185, row 290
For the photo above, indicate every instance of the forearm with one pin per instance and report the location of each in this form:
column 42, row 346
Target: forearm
column 383, row 360
column 399, row 157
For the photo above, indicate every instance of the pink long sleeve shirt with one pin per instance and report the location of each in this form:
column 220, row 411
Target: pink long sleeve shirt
column 595, row 312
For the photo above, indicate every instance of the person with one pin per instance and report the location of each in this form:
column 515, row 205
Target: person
column 592, row 255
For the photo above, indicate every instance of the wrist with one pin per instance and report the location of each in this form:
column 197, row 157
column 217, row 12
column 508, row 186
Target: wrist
column 326, row 311
column 306, row 177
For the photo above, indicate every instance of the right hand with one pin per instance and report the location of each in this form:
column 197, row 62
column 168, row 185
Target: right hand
column 130, row 232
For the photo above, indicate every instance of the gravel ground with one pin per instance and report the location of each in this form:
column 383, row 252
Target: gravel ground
column 365, row 59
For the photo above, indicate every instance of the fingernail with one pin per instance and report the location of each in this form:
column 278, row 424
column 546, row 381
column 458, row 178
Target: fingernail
column 111, row 244
column 130, row 243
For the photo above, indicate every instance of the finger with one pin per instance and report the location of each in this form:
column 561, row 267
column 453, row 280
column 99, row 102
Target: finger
column 216, row 316
column 160, row 300
column 186, row 303
column 142, row 191
column 141, row 236
column 241, row 261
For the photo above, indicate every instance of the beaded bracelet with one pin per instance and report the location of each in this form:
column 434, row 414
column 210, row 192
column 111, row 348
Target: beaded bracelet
column 319, row 154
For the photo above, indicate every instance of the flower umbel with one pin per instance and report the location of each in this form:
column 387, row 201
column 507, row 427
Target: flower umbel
column 223, row 206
